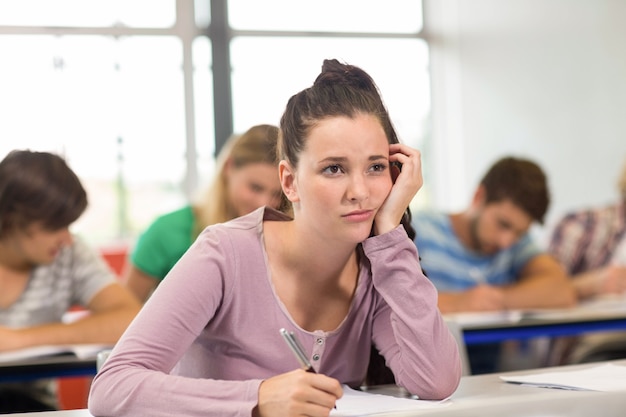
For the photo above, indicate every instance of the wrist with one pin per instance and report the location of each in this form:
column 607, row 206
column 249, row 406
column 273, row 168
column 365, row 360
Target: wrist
column 381, row 227
column 600, row 282
column 506, row 303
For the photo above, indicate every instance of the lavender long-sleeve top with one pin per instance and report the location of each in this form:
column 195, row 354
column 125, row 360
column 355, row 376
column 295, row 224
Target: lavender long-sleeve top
column 209, row 335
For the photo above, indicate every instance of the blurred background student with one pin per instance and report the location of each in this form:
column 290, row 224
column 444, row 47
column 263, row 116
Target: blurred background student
column 586, row 242
column 45, row 270
column 591, row 245
column 246, row 179
column 484, row 258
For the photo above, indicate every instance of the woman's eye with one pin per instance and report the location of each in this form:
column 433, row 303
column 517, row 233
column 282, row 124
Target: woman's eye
column 379, row 167
column 332, row 169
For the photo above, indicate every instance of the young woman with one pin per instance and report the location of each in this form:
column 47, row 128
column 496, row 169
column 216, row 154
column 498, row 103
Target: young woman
column 341, row 274
column 246, row 179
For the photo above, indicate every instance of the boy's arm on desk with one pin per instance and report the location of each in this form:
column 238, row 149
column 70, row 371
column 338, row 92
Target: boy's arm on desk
column 110, row 311
column 542, row 283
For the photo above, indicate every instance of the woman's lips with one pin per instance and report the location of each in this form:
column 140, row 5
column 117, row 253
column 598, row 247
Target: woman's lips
column 359, row 215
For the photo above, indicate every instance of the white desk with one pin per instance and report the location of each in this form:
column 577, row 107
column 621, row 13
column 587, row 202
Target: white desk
column 601, row 315
column 489, row 396
column 50, row 361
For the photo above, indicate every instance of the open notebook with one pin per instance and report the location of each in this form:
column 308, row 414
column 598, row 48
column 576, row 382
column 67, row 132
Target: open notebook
column 82, row 351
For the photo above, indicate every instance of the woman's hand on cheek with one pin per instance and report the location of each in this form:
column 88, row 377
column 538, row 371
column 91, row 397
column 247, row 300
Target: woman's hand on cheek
column 407, row 183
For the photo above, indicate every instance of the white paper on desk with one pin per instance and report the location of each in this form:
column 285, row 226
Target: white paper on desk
column 356, row 403
column 606, row 377
column 479, row 318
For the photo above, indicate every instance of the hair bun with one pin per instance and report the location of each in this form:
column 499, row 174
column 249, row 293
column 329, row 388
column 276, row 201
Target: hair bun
column 337, row 73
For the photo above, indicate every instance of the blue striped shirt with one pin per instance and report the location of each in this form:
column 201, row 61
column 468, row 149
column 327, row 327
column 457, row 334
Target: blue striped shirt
column 453, row 267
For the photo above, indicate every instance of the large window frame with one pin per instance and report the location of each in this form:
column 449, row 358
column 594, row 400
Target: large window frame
column 220, row 35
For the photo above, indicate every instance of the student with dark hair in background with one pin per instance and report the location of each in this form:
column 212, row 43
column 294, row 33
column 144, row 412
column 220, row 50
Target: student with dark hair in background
column 341, row 274
column 484, row 259
column 45, row 270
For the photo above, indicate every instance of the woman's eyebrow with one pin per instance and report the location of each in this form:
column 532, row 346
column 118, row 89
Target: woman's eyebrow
column 343, row 159
column 334, row 159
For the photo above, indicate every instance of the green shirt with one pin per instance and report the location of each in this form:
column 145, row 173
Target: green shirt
column 164, row 242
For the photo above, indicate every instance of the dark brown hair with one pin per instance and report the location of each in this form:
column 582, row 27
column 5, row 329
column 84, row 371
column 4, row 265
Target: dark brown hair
column 522, row 182
column 339, row 90
column 38, row 187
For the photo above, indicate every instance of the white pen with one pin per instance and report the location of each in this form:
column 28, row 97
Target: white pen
column 477, row 275
column 298, row 351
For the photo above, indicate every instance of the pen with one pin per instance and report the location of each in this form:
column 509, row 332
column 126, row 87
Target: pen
column 298, row 351
column 477, row 275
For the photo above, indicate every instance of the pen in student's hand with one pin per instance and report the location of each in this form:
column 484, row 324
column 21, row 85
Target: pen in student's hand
column 298, row 351
column 477, row 275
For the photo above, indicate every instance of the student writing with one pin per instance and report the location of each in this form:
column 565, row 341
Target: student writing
column 341, row 274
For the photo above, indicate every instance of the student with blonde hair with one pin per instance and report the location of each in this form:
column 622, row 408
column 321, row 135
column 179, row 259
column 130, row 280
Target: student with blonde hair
column 246, row 179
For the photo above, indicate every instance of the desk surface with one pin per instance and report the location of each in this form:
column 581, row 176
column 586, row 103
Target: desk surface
column 46, row 367
column 602, row 315
column 489, row 396
column 488, row 327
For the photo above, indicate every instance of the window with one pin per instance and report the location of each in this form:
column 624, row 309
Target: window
column 92, row 13
column 399, row 67
column 128, row 96
column 362, row 16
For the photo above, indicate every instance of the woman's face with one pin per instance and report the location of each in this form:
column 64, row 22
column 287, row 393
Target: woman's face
column 252, row 186
column 342, row 179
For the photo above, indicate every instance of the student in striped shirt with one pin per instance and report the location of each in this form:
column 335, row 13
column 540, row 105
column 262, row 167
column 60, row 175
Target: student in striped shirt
column 483, row 258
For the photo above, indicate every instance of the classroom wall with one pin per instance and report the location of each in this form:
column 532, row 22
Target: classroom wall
column 544, row 79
